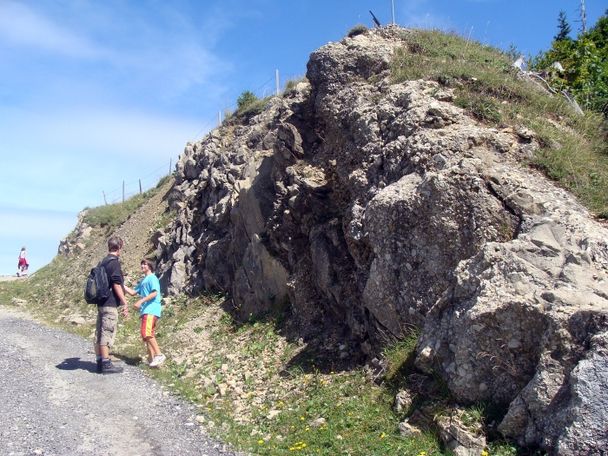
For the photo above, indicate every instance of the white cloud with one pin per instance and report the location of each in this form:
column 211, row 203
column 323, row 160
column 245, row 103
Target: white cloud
column 169, row 55
column 65, row 159
column 101, row 92
column 35, row 225
column 420, row 14
column 22, row 26
column 96, row 130
column 119, row 133
column 427, row 21
column 173, row 70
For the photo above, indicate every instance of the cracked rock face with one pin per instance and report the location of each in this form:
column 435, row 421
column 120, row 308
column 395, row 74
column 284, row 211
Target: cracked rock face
column 371, row 207
column 524, row 319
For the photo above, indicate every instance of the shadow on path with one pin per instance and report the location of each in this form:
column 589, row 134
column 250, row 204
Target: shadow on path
column 77, row 363
column 130, row 360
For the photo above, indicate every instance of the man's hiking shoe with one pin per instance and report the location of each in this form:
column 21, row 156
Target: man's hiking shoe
column 99, row 363
column 158, row 360
column 108, row 368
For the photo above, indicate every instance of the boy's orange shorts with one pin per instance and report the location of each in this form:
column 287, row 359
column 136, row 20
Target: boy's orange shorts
column 148, row 325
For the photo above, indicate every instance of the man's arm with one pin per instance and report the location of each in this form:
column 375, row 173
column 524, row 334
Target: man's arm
column 118, row 290
column 115, row 276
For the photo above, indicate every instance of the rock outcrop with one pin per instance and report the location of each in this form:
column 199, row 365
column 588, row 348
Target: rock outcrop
column 76, row 240
column 373, row 207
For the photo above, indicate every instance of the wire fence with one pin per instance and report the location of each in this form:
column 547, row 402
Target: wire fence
column 133, row 187
column 270, row 87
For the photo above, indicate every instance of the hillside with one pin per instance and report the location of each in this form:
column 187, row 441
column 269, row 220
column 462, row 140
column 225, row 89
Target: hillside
column 377, row 262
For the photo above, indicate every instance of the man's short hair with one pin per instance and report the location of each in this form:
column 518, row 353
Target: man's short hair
column 115, row 244
column 148, row 263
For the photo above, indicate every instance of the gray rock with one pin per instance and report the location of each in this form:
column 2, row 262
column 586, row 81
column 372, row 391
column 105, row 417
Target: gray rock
column 77, row 320
column 369, row 207
column 408, row 430
column 403, row 401
column 459, row 439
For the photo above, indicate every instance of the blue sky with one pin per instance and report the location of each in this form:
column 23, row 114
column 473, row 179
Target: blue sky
column 94, row 93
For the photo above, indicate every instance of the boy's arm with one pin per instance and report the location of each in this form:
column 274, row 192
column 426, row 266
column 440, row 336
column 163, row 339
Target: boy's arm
column 140, row 302
column 130, row 291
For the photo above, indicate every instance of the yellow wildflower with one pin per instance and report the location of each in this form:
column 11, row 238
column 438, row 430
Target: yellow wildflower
column 298, row 446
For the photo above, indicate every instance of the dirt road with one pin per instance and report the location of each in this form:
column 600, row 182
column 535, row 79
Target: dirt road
column 53, row 402
column 7, row 278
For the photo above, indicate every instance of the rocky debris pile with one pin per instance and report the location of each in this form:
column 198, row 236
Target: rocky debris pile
column 75, row 242
column 369, row 207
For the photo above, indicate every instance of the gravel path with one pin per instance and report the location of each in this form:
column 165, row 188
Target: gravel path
column 7, row 278
column 53, row 402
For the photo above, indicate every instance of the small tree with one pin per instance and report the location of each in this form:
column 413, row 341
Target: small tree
column 246, row 99
column 599, row 34
column 585, row 63
column 563, row 28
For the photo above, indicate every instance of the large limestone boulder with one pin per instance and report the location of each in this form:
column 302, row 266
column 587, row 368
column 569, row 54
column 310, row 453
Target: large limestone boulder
column 369, row 207
column 524, row 321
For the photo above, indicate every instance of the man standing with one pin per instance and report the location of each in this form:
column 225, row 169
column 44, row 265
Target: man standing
column 107, row 312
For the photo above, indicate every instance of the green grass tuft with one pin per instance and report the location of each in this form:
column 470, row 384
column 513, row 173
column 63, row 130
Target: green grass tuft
column 113, row 215
column 574, row 148
column 400, row 356
column 358, row 29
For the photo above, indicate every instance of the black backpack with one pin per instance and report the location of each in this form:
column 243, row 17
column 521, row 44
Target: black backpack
column 97, row 287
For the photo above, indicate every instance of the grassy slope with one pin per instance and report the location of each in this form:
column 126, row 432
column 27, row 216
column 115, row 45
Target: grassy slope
column 574, row 148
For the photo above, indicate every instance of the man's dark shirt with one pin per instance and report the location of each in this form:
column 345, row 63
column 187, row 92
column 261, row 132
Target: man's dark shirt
column 114, row 272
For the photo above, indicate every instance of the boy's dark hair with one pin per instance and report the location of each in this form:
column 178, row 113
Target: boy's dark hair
column 115, row 244
column 148, row 263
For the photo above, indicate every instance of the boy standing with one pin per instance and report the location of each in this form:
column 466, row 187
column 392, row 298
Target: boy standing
column 149, row 306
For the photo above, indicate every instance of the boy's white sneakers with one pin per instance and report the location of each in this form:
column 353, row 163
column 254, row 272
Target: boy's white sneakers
column 157, row 360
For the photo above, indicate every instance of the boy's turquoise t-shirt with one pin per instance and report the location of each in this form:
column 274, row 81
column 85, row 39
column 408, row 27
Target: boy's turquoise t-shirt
column 149, row 284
